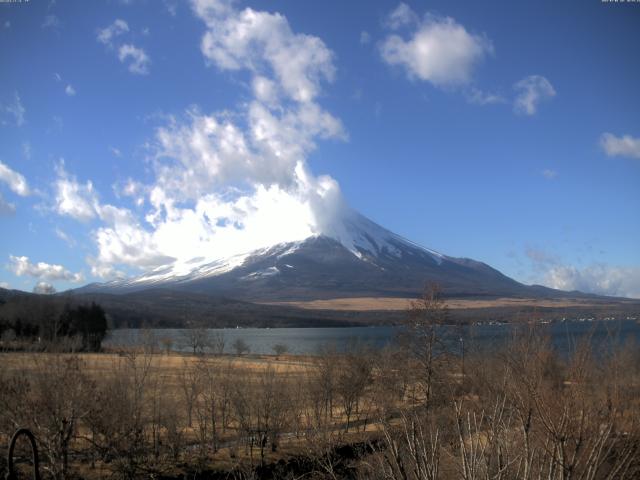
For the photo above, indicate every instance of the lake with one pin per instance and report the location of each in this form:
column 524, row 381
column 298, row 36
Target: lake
column 309, row 340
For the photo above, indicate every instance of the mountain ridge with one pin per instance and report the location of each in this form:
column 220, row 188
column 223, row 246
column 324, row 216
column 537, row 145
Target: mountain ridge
column 353, row 256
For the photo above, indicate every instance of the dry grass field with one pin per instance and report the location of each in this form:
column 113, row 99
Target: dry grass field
column 357, row 414
column 403, row 304
column 167, row 365
column 253, row 399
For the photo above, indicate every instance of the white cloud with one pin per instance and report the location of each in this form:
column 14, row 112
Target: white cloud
column 230, row 182
column 5, row 285
column 15, row 110
column 479, row 97
column 121, row 240
column 531, row 91
column 210, row 151
column 136, row 58
column 14, row 180
column 365, row 37
column 22, row 266
column 124, row 241
column 57, row 77
column 264, row 43
column 139, row 61
column 265, row 90
column 69, row 90
column 624, row 146
column 401, row 16
column 549, row 174
column 115, row 151
column 74, row 199
column 44, row 288
column 133, row 189
column 172, row 8
column 439, row 50
column 107, row 34
column 597, row 278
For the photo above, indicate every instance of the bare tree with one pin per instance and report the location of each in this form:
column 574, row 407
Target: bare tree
column 119, row 414
column 197, row 339
column 240, row 346
column 409, row 450
column 280, row 349
column 60, row 395
column 189, row 380
column 353, row 377
column 426, row 316
column 217, row 343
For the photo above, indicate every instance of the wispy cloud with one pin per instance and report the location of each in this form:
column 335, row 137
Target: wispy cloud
column 479, row 97
column 401, row 16
column 14, row 180
column 51, row 21
column 624, row 146
column 13, row 111
column 65, row 237
column 137, row 59
column 530, row 92
column 26, row 150
column 69, row 90
column 549, row 174
column 107, row 34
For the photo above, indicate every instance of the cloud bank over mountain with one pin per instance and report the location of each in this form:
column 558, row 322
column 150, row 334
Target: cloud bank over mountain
column 225, row 182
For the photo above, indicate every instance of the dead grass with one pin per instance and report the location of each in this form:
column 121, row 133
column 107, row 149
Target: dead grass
column 99, row 364
column 403, row 304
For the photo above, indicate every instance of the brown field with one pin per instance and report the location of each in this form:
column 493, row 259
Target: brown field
column 165, row 379
column 98, row 364
column 399, row 304
column 147, row 414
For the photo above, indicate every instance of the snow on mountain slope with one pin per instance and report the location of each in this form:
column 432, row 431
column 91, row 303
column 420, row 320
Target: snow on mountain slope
column 363, row 238
column 349, row 257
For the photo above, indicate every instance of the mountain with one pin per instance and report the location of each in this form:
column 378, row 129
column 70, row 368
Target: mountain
column 352, row 257
column 346, row 262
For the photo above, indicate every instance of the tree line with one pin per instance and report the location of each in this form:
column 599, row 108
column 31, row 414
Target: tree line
column 44, row 322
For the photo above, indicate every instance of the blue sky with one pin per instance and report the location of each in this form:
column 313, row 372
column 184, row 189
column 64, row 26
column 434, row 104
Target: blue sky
column 138, row 133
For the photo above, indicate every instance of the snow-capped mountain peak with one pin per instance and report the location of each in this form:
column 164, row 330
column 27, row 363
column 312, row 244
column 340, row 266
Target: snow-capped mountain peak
column 352, row 256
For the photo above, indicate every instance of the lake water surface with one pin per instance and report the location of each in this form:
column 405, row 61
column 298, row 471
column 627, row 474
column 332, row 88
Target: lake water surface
column 564, row 335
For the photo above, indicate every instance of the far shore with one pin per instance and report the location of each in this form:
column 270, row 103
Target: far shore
column 399, row 304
